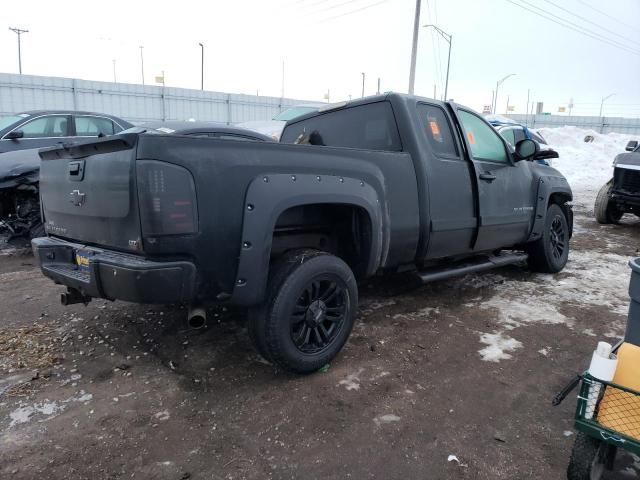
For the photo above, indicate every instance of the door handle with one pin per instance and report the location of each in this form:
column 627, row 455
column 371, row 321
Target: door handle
column 489, row 177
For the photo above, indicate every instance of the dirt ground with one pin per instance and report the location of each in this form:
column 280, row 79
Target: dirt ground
column 465, row 367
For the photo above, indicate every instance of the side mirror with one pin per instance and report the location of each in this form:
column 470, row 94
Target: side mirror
column 526, row 149
column 631, row 146
column 546, row 154
column 14, row 135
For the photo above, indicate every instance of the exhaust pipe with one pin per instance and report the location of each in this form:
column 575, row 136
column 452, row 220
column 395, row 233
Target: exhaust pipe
column 73, row 296
column 197, row 317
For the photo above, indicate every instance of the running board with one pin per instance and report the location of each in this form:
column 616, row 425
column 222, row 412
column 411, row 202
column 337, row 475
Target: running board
column 471, row 266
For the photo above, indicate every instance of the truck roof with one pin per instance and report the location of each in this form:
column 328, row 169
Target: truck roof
column 402, row 97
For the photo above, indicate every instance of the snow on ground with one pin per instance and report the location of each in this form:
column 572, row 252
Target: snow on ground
column 587, row 166
column 544, row 298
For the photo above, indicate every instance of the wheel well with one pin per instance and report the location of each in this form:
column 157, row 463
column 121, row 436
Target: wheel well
column 562, row 199
column 340, row 229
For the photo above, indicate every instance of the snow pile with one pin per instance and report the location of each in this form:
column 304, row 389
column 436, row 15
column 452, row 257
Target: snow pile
column 587, row 166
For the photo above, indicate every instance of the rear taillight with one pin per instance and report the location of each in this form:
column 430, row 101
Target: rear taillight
column 167, row 197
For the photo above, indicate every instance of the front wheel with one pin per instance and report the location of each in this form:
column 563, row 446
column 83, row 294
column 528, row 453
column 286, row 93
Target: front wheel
column 589, row 458
column 605, row 210
column 549, row 254
column 309, row 311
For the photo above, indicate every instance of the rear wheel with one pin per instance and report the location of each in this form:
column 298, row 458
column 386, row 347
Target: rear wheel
column 550, row 252
column 589, row 458
column 606, row 211
column 308, row 314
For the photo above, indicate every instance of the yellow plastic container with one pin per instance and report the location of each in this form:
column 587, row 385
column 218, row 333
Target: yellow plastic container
column 619, row 410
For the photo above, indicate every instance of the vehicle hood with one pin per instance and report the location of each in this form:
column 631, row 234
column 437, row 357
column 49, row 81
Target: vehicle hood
column 19, row 166
column 627, row 158
column 271, row 128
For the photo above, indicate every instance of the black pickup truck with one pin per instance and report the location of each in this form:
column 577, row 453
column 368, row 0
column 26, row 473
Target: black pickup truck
column 382, row 184
column 621, row 194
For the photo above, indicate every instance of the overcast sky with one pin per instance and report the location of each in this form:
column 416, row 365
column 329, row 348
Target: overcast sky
column 327, row 44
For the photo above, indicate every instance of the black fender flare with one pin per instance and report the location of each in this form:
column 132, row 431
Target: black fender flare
column 549, row 186
column 269, row 195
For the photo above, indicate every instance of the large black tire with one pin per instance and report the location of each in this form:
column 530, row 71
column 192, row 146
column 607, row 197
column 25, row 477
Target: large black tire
column 549, row 254
column 308, row 313
column 605, row 210
column 588, row 459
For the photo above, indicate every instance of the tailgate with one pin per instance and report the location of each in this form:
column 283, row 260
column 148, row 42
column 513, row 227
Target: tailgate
column 88, row 192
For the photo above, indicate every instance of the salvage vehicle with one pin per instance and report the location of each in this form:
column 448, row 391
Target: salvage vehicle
column 621, row 194
column 389, row 183
column 514, row 132
column 42, row 128
column 203, row 129
column 273, row 128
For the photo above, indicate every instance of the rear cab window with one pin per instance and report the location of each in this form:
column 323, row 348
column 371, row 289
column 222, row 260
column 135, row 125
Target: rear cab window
column 371, row 127
column 437, row 129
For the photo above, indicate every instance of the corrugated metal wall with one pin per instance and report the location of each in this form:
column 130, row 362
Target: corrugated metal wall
column 599, row 124
column 135, row 103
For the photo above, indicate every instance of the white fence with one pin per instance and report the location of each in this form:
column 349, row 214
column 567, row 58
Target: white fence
column 136, row 103
column 599, row 124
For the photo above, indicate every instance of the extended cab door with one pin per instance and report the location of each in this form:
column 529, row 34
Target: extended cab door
column 450, row 179
column 506, row 194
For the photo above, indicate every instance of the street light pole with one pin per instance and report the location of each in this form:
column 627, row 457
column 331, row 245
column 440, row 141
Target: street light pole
column 201, row 66
column 603, row 100
column 414, row 48
column 498, row 83
column 19, row 31
column 142, row 63
column 363, row 84
column 448, row 39
column 114, row 71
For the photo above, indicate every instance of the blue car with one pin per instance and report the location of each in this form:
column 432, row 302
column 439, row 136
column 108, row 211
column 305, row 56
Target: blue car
column 514, row 132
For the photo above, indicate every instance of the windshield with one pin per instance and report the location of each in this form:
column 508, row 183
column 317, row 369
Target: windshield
column 10, row 120
column 293, row 112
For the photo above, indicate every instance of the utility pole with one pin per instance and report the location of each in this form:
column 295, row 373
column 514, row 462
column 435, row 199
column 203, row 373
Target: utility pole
column 378, row 92
column 434, row 91
column 114, row 71
column 414, row 48
column 201, row 66
column 526, row 115
column 498, row 83
column 448, row 39
column 19, row 31
column 282, row 90
column 603, row 100
column 142, row 63
column 363, row 84
column 506, row 110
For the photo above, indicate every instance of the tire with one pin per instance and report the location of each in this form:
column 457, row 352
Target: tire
column 549, row 254
column 308, row 313
column 605, row 210
column 588, row 459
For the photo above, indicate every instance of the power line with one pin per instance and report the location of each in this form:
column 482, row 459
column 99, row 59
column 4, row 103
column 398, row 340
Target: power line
column 333, row 7
column 353, row 11
column 579, row 29
column 607, row 15
column 592, row 23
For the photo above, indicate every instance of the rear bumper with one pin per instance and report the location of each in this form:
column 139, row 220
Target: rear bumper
column 115, row 275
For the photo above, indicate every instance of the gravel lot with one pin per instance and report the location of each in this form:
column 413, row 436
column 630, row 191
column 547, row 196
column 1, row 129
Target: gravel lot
column 465, row 367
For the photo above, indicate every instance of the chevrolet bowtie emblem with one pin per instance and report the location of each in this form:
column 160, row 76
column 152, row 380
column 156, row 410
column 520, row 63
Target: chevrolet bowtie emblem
column 77, row 197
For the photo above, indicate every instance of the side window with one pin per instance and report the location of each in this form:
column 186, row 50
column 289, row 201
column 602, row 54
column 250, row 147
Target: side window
column 509, row 135
column 371, row 126
column 43, row 127
column 437, row 130
column 93, row 126
column 231, row 136
column 484, row 141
